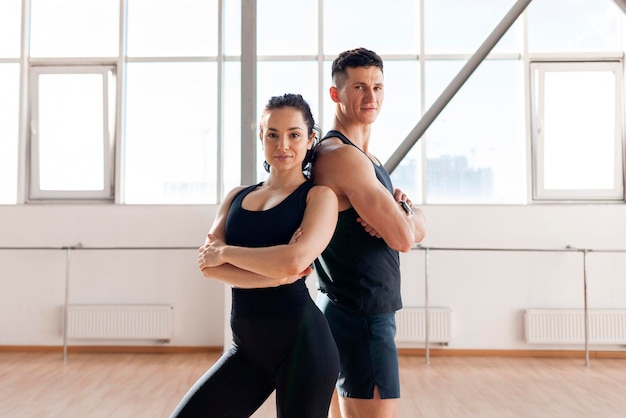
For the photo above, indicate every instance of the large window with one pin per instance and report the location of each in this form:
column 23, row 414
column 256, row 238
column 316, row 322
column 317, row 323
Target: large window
column 576, row 69
column 387, row 27
column 166, row 28
column 459, row 27
column 74, row 28
column 171, row 134
column 163, row 66
column 577, row 131
column 140, row 101
column 73, row 90
column 474, row 149
column 574, row 26
column 71, row 132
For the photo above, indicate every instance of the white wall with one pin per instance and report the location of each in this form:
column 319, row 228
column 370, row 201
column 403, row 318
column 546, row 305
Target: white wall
column 33, row 282
column 486, row 290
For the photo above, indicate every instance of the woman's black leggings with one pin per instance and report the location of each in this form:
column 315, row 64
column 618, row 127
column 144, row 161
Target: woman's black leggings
column 287, row 348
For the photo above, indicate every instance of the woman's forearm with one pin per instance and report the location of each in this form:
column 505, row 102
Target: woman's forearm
column 241, row 278
column 277, row 261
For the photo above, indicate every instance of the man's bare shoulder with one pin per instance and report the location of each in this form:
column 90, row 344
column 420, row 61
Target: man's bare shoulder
column 330, row 144
column 332, row 151
column 340, row 166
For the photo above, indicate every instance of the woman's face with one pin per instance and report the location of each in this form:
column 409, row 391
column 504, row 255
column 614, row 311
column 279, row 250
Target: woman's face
column 285, row 139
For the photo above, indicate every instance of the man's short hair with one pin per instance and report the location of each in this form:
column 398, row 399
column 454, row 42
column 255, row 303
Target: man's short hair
column 358, row 57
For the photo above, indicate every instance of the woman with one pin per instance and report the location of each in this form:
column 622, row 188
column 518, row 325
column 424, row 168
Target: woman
column 262, row 242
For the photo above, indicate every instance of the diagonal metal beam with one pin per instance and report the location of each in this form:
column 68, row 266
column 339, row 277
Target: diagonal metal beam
column 621, row 4
column 458, row 81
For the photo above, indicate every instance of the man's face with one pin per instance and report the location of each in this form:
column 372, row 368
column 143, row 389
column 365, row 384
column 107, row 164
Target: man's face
column 361, row 94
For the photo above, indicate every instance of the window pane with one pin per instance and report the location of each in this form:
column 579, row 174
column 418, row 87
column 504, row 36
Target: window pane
column 74, row 28
column 171, row 133
column 70, row 132
column 276, row 78
column 10, row 24
column 9, row 117
column 389, row 26
column 579, row 130
column 461, row 26
column 574, row 26
column 272, row 18
column 408, row 175
column 232, row 27
column 180, row 28
column 475, row 147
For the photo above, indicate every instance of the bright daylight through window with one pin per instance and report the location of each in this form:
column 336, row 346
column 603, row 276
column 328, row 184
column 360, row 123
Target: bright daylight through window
column 134, row 114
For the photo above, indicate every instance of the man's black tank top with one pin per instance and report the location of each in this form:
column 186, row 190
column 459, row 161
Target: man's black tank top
column 357, row 271
column 266, row 228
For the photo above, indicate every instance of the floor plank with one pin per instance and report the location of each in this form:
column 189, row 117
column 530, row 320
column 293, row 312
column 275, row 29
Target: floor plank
column 89, row 385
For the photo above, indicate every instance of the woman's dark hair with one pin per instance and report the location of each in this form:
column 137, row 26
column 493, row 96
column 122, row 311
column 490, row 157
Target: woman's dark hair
column 296, row 101
column 353, row 58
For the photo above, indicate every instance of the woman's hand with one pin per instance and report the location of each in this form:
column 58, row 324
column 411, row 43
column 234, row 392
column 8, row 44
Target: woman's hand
column 210, row 254
column 288, row 280
column 295, row 236
column 368, row 228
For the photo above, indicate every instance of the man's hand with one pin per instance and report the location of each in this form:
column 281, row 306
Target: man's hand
column 399, row 196
column 295, row 278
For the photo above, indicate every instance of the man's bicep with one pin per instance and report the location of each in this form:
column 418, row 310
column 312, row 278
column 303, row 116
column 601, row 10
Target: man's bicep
column 372, row 201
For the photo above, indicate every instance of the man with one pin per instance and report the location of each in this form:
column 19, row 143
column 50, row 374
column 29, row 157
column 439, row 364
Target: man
column 359, row 272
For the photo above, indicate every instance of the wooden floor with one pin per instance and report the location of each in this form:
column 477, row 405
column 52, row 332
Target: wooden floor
column 88, row 385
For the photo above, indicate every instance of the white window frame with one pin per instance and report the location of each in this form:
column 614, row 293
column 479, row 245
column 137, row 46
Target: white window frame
column 538, row 69
column 109, row 103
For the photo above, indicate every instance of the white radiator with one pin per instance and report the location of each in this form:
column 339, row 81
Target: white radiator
column 411, row 326
column 567, row 326
column 149, row 322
